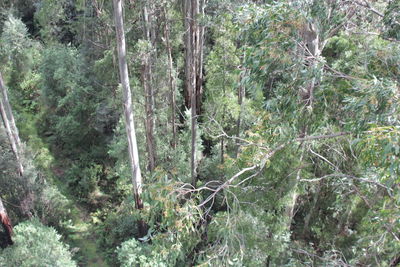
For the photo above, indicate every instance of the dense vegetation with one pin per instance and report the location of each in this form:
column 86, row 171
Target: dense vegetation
column 267, row 133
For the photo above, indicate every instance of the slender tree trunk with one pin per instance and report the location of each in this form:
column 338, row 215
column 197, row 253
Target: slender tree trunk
column 310, row 214
column 313, row 47
column 10, row 126
column 187, row 7
column 128, row 113
column 6, row 223
column 148, row 90
column 171, row 79
column 312, row 50
column 9, row 112
column 193, row 69
column 193, row 104
column 294, row 195
column 200, row 54
column 223, row 108
column 241, row 92
column 190, row 11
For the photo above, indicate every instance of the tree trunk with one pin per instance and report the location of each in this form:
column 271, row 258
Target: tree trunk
column 241, row 93
column 148, row 90
column 223, row 108
column 193, row 87
column 187, row 13
column 6, row 223
column 290, row 212
column 194, row 41
column 200, row 55
column 10, row 126
column 313, row 47
column 129, row 121
column 190, row 8
column 171, row 78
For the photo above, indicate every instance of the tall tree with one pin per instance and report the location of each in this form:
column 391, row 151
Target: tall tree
column 193, row 69
column 171, row 78
column 127, row 102
column 9, row 125
column 147, row 76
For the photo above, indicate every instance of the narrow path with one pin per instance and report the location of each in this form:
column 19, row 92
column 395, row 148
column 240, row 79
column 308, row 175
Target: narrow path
column 82, row 236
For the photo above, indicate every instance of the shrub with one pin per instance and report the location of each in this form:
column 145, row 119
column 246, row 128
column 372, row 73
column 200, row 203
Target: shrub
column 36, row 245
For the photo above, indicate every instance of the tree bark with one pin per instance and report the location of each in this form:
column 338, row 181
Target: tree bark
column 128, row 113
column 311, row 50
column 171, row 78
column 190, row 8
column 10, row 126
column 200, row 54
column 187, row 7
column 223, row 108
column 241, row 93
column 193, row 105
column 148, row 89
column 194, row 42
column 194, row 55
column 6, row 223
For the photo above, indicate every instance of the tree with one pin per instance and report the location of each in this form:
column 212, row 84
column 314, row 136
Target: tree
column 36, row 245
column 147, row 78
column 171, row 78
column 9, row 124
column 128, row 113
column 194, row 40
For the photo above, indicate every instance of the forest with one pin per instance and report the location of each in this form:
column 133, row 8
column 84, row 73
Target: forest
column 177, row 133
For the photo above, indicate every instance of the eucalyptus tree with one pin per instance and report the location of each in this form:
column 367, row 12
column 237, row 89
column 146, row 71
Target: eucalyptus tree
column 10, row 126
column 128, row 112
column 171, row 76
column 147, row 79
column 194, row 42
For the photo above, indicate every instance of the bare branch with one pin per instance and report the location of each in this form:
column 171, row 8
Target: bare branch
column 369, row 7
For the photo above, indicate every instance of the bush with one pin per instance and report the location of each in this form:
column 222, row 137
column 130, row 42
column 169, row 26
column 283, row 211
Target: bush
column 82, row 179
column 36, row 245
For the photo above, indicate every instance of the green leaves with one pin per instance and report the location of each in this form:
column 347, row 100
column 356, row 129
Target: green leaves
column 391, row 20
column 36, row 245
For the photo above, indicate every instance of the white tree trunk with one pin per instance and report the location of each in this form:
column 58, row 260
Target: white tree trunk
column 171, row 78
column 127, row 100
column 148, row 89
column 10, row 126
column 193, row 70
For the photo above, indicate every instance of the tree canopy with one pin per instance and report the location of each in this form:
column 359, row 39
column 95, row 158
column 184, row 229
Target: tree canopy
column 200, row 133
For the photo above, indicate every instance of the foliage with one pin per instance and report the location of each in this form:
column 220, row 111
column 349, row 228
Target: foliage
column 36, row 245
column 174, row 223
column 30, row 192
column 391, row 20
column 301, row 170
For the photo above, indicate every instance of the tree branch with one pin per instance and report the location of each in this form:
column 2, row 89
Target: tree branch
column 260, row 166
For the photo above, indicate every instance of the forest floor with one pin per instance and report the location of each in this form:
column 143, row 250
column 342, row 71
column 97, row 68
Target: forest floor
column 82, row 237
